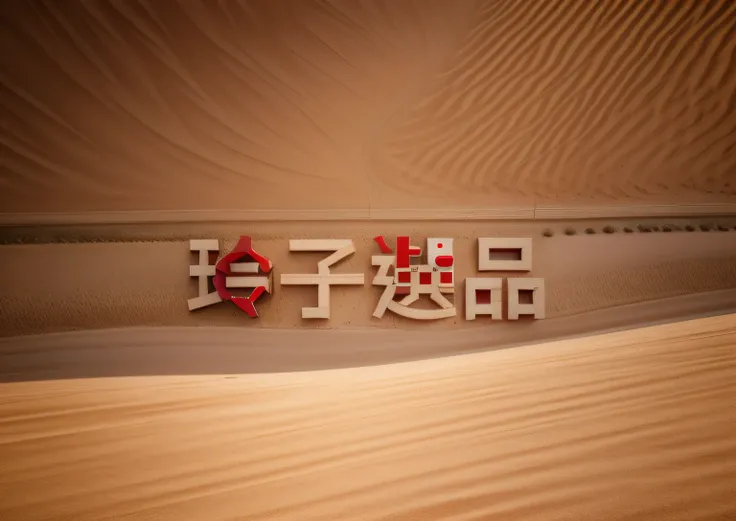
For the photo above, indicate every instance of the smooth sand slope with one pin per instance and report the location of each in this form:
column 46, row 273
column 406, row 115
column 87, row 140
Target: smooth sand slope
column 365, row 105
column 634, row 425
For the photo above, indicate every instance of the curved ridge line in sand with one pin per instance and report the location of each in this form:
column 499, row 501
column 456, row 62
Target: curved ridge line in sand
column 147, row 351
column 633, row 426
column 444, row 214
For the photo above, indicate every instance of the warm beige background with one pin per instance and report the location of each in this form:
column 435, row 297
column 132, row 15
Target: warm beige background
column 357, row 104
column 423, row 113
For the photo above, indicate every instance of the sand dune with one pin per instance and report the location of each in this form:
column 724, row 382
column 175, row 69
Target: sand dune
column 129, row 127
column 635, row 425
column 365, row 105
column 577, row 100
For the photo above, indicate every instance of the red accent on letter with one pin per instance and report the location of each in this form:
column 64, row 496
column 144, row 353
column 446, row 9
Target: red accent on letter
column 402, row 251
column 444, row 261
column 445, row 277
column 382, row 244
column 244, row 248
column 482, row 296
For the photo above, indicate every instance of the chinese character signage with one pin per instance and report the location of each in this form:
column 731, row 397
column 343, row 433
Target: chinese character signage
column 406, row 272
column 224, row 275
column 400, row 277
column 323, row 279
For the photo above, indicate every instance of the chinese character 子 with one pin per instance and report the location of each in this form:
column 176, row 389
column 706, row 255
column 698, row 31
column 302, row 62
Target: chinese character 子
column 414, row 280
column 323, row 279
column 225, row 278
column 483, row 295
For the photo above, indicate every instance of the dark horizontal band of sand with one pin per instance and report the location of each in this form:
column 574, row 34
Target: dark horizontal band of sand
column 424, row 214
column 228, row 350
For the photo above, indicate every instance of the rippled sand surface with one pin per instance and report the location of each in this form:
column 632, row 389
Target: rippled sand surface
column 365, row 105
column 632, row 425
column 286, row 119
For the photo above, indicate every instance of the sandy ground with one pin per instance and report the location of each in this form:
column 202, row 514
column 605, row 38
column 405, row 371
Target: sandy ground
column 363, row 105
column 633, row 425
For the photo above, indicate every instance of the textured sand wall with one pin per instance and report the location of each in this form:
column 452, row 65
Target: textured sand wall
column 78, row 286
column 365, row 104
column 635, row 425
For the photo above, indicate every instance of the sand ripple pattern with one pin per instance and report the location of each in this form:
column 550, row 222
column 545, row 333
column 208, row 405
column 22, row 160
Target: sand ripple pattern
column 576, row 99
column 355, row 104
column 635, row 425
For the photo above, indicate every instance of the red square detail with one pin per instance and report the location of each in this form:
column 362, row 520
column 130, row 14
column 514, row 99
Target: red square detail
column 425, row 277
column 404, row 277
column 482, row 296
column 445, row 277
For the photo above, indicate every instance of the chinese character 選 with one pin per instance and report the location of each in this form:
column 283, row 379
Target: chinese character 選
column 433, row 279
